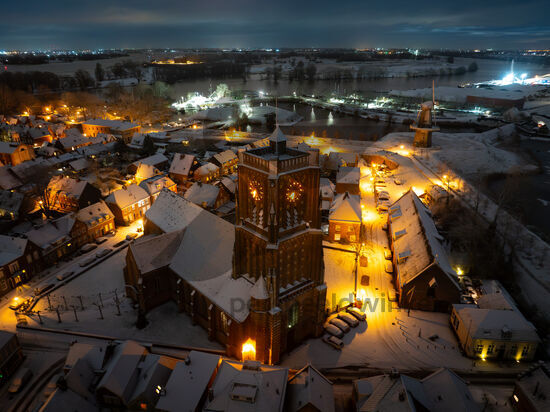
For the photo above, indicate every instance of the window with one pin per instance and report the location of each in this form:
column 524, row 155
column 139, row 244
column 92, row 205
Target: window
column 337, row 228
column 224, row 323
column 14, row 267
column 293, row 313
column 352, row 238
column 525, row 350
column 479, row 348
column 490, row 348
column 337, row 236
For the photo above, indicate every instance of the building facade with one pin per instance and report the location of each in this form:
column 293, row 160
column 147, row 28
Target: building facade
column 278, row 237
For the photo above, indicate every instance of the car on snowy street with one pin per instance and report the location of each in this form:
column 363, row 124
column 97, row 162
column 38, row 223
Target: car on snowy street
column 87, row 261
column 88, row 247
column 356, row 313
column 333, row 330
column 18, row 303
column 65, row 275
column 102, row 252
column 388, row 267
column 43, row 289
column 333, row 341
column 348, row 318
column 101, row 240
column 20, row 379
column 340, row 324
column 131, row 236
column 387, row 254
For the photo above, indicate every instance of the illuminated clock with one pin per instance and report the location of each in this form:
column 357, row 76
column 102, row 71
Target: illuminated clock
column 294, row 191
column 256, row 190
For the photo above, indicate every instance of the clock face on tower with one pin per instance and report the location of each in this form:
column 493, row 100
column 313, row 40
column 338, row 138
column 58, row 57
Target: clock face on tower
column 294, row 192
column 256, row 190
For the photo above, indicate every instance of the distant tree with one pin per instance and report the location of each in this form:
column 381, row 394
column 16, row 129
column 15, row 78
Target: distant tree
column 270, row 119
column 472, row 67
column 83, row 79
column 161, row 89
column 118, row 70
column 241, row 122
column 277, row 70
column 148, row 146
column 299, row 72
column 460, row 70
column 99, row 72
column 311, row 71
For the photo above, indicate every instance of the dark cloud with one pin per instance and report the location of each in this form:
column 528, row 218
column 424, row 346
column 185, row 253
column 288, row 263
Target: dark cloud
column 281, row 23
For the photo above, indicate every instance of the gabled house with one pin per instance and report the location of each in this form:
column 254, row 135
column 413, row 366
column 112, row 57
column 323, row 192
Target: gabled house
column 182, row 167
column 157, row 160
column 128, row 204
column 156, row 184
column 11, row 204
column 119, row 128
column 344, row 218
column 98, row 218
column 424, row 277
column 206, row 173
column 206, row 196
column 309, row 390
column 65, row 194
column 226, row 161
column 14, row 153
column 347, row 180
column 19, row 260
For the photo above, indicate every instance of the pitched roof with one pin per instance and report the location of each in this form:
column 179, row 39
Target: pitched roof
column 348, row 175
column 155, row 184
column 277, row 135
column 11, row 201
column 113, row 124
column 225, row 156
column 188, row 382
column 181, row 164
column 346, row 208
column 67, row 185
column 172, row 212
column 127, row 196
column 93, row 214
column 202, row 194
column 155, row 252
column 309, row 387
column 11, row 248
column 153, row 160
column 248, row 386
column 259, row 290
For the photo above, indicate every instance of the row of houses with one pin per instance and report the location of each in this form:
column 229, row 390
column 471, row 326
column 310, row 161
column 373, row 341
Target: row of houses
column 128, row 376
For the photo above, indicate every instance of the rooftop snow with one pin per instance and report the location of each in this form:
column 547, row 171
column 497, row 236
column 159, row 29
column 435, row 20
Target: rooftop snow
column 346, row 208
column 127, row 196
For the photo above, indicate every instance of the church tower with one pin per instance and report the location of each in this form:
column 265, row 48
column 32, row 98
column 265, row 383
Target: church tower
column 278, row 244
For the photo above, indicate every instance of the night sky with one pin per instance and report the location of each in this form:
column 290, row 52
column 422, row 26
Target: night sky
column 504, row 24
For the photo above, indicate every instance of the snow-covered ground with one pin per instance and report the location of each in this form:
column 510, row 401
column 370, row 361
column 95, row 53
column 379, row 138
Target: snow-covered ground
column 97, row 287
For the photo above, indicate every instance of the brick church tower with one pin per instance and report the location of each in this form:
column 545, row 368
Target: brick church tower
column 278, row 245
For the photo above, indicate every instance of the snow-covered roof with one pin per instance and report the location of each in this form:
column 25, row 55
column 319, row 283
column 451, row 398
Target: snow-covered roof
column 67, row 400
column 229, row 184
column 67, row 185
column 346, row 208
column 145, row 171
column 9, row 147
column 11, row 248
column 535, row 387
column 248, row 386
column 202, row 194
column 309, row 387
column 8, row 179
column 155, row 252
column 259, row 290
column 80, row 164
column 94, row 354
column 113, row 124
column 416, row 238
column 155, row 184
column 446, row 391
column 49, row 234
column 348, row 175
column 188, row 382
column 326, row 188
column 206, row 169
column 225, row 157
column 127, row 196
column 94, row 214
column 172, row 212
column 11, row 201
column 153, row 160
column 491, row 323
column 73, row 140
column 121, row 370
column 181, row 164
column 154, row 371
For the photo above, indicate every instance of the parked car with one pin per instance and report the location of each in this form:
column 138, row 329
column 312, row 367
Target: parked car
column 87, row 248
column 52, row 385
column 333, row 330
column 357, row 313
column 87, row 261
column 333, row 341
column 340, row 324
column 385, row 227
column 103, row 252
column 365, row 280
column 43, row 289
column 383, row 196
column 387, row 254
column 131, row 236
column 397, row 182
column 22, row 376
column 382, row 208
column 65, row 275
column 349, row 319
column 363, row 261
column 101, row 240
column 389, row 267
column 392, row 296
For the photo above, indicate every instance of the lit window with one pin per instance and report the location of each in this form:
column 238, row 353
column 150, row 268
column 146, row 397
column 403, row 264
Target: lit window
column 293, row 314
